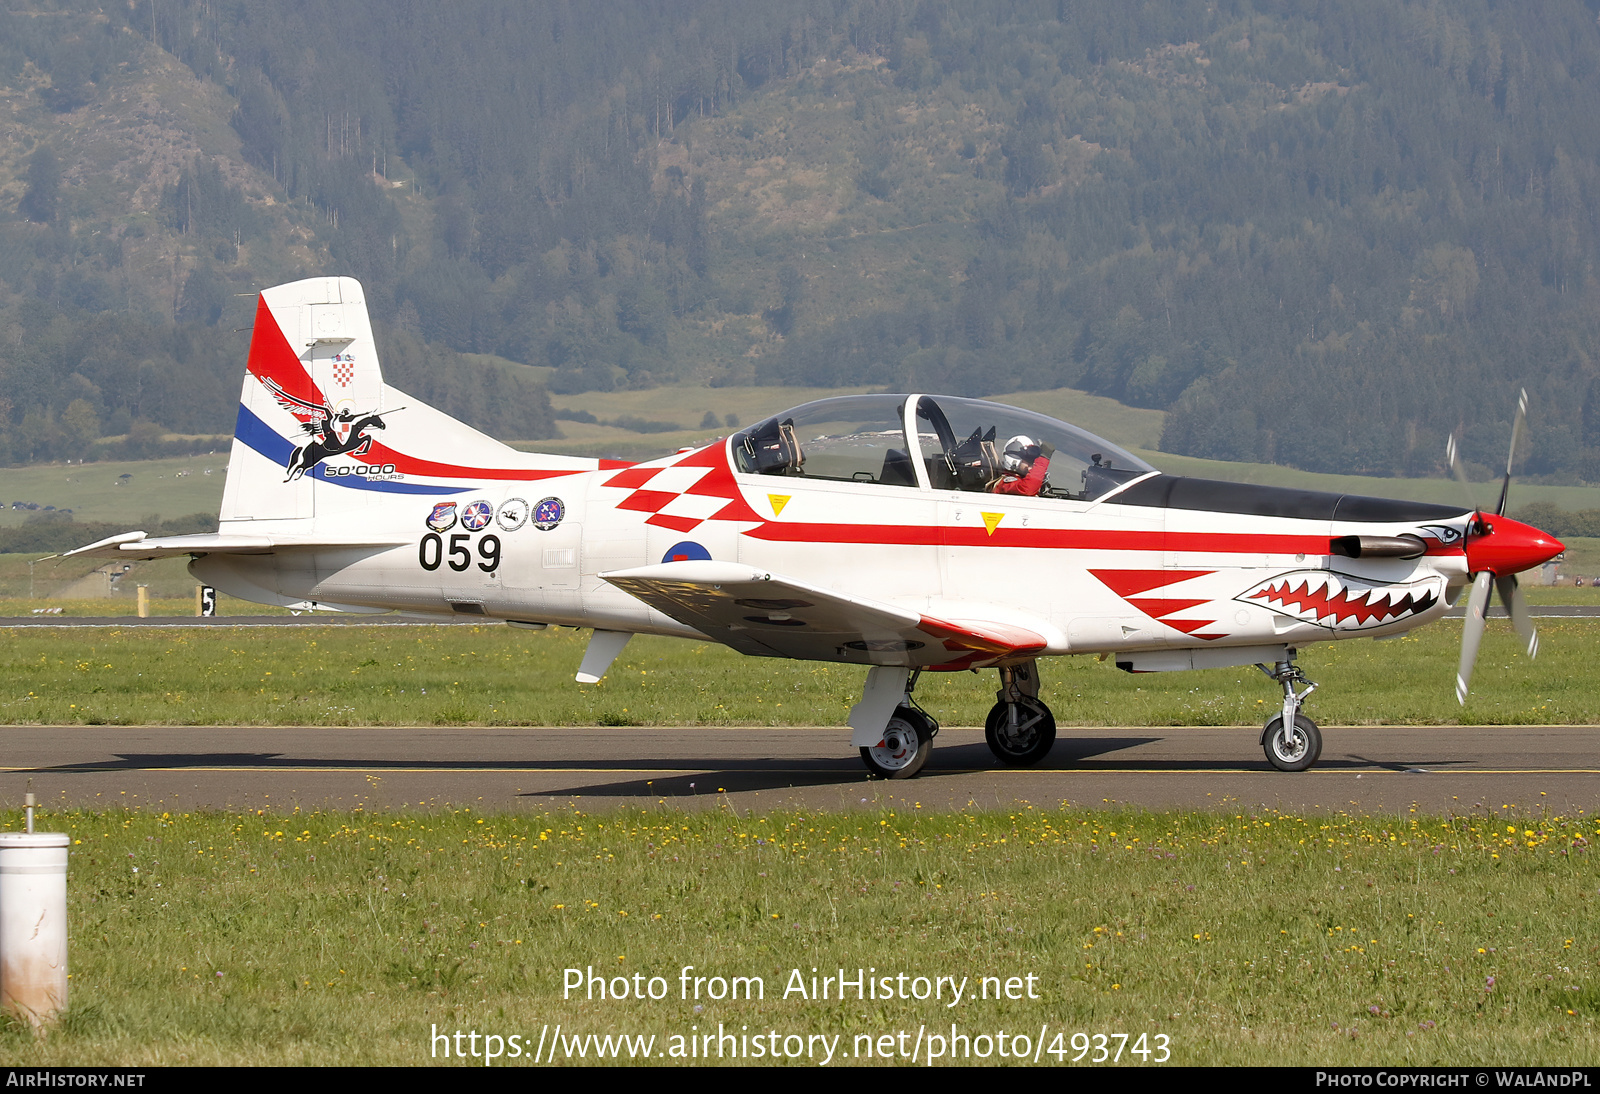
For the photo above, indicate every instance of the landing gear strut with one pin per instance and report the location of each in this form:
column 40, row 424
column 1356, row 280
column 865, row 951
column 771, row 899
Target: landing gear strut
column 898, row 747
column 1020, row 729
column 1291, row 741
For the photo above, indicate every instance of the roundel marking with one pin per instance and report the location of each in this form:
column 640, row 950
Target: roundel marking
column 686, row 551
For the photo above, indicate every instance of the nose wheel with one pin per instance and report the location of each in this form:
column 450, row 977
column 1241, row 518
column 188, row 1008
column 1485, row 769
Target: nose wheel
column 904, row 748
column 1292, row 750
column 1291, row 741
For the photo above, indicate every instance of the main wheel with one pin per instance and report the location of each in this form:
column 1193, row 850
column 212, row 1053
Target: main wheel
column 1020, row 734
column 907, row 740
column 1294, row 751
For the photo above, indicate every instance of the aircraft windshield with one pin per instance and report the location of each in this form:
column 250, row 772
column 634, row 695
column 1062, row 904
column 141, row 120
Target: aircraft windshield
column 856, row 438
column 972, row 444
column 965, row 444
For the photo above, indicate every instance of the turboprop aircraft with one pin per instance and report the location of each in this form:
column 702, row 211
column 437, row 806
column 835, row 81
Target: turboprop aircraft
column 903, row 533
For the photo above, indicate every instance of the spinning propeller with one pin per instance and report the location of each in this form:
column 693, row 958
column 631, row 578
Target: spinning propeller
column 1497, row 549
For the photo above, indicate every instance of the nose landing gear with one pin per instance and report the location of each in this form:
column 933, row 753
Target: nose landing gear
column 1291, row 741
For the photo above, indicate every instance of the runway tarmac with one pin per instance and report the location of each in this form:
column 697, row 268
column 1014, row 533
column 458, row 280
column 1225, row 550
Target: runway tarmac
column 1367, row 769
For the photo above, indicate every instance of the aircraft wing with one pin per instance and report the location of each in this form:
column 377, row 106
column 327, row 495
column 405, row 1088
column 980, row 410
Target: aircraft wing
column 766, row 614
column 137, row 546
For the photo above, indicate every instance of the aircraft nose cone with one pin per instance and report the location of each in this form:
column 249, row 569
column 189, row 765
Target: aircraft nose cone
column 1510, row 547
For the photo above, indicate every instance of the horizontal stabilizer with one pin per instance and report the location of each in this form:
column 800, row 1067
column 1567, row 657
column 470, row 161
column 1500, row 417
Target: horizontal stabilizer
column 137, row 546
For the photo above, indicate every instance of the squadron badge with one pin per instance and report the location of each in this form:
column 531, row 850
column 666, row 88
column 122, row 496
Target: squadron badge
column 476, row 516
column 513, row 514
column 548, row 513
column 443, row 517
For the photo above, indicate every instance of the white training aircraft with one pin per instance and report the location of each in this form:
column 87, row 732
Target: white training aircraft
column 902, row 533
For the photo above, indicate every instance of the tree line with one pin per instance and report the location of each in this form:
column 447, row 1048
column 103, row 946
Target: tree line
column 1319, row 232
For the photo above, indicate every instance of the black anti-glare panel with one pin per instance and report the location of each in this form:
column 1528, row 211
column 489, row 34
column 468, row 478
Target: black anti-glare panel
column 1210, row 495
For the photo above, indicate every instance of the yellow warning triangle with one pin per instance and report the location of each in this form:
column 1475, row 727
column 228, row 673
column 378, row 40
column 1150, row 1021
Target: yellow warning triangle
column 991, row 521
column 778, row 502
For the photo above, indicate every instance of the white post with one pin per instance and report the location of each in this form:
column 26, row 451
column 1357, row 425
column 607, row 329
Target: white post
column 33, row 925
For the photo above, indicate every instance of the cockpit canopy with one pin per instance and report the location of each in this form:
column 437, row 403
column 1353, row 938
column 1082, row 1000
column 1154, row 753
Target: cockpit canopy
column 955, row 444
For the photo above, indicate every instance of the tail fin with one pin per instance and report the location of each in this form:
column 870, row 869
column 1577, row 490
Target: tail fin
column 322, row 442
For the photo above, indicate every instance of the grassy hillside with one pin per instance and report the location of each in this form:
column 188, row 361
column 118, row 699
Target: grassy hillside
column 99, row 492
column 1442, row 491
column 687, row 405
column 1322, row 235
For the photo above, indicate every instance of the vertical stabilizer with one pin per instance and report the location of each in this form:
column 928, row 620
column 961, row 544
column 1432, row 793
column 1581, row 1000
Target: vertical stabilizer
column 312, row 383
column 323, row 444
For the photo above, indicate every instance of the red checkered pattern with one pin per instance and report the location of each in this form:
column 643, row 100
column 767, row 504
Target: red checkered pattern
column 686, row 493
column 344, row 372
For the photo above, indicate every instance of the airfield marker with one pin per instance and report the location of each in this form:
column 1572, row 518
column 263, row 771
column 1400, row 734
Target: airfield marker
column 33, row 925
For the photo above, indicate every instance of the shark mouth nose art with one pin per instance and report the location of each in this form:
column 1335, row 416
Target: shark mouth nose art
column 1342, row 602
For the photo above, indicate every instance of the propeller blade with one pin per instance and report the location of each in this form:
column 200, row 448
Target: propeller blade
column 1516, row 603
column 1516, row 433
column 1452, row 456
column 1472, row 632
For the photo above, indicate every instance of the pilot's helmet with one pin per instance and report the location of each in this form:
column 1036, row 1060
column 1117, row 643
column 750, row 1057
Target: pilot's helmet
column 1020, row 453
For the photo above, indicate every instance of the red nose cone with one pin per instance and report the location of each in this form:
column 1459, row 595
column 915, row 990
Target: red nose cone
column 1510, row 547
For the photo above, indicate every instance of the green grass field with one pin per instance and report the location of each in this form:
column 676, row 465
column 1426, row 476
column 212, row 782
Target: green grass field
column 1228, row 937
column 496, row 675
column 1237, row 937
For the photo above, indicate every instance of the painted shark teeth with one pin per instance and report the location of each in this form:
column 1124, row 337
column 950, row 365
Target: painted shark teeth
column 1342, row 602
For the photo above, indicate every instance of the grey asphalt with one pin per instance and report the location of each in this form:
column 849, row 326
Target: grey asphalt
column 1367, row 769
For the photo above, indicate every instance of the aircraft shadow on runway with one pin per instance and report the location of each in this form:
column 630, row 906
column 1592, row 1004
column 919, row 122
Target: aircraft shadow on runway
column 962, row 757
column 702, row 775
column 1394, row 765
column 1067, row 757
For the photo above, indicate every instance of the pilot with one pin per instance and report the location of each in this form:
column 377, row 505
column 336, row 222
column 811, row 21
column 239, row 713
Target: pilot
column 1023, row 466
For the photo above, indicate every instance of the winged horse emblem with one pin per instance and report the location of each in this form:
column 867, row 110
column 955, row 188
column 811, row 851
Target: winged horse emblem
column 326, row 425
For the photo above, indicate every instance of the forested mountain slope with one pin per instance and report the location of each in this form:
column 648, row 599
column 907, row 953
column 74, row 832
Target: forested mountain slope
column 1323, row 234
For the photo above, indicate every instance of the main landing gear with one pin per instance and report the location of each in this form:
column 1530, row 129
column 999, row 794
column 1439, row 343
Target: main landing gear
column 895, row 735
column 1020, row 729
column 907, row 740
column 1298, row 746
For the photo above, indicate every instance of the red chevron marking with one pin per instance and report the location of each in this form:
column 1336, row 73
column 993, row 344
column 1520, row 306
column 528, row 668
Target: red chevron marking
column 1126, row 583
